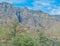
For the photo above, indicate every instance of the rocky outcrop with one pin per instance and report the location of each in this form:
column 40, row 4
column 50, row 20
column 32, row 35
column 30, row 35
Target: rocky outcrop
column 32, row 19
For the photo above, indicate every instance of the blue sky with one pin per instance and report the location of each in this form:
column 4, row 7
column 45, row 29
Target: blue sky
column 49, row 6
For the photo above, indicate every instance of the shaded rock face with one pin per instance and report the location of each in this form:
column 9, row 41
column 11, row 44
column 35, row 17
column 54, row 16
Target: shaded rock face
column 18, row 16
column 31, row 19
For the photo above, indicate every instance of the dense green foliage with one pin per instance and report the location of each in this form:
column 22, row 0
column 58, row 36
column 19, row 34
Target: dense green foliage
column 23, row 41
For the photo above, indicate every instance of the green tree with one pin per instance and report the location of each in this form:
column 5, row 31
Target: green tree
column 44, row 40
column 23, row 41
column 15, row 24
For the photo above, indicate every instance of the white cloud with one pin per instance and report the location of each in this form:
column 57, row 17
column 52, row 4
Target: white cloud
column 41, row 3
column 45, row 4
column 55, row 11
column 38, row 4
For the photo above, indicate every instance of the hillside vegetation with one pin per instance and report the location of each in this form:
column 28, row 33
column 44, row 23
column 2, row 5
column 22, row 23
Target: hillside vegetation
column 16, row 34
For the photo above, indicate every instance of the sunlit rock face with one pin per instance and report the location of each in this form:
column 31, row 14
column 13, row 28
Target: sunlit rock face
column 35, row 19
column 32, row 19
column 7, row 12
